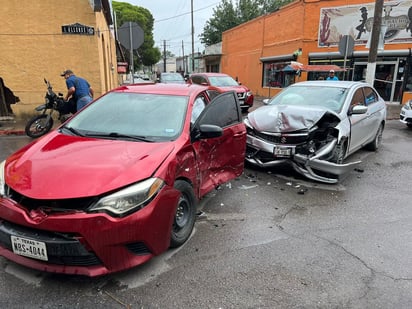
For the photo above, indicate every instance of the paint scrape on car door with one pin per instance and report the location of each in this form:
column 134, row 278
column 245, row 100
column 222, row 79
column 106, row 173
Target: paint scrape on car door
column 221, row 158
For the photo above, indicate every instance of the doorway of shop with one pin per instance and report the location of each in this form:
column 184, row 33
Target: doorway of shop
column 387, row 82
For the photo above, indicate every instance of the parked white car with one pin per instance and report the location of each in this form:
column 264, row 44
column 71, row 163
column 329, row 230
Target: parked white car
column 406, row 114
column 315, row 126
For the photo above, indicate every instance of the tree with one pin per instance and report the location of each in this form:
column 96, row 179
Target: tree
column 169, row 54
column 248, row 10
column 269, row 6
column 148, row 55
column 224, row 18
column 227, row 16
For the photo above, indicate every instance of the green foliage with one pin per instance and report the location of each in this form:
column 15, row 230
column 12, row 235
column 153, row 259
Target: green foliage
column 169, row 54
column 247, row 10
column 227, row 16
column 224, row 18
column 125, row 12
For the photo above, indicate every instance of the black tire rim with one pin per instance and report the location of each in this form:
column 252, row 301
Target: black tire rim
column 182, row 214
column 378, row 138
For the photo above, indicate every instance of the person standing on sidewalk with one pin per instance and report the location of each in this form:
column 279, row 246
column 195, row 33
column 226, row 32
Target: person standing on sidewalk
column 332, row 76
column 78, row 88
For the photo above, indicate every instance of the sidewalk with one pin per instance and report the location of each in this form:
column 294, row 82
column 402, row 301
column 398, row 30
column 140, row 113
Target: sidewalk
column 16, row 126
column 11, row 126
column 393, row 110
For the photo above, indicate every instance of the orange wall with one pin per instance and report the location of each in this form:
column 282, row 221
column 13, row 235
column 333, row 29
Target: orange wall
column 265, row 36
column 280, row 33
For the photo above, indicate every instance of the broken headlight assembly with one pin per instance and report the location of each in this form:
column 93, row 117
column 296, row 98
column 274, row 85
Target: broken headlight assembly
column 130, row 199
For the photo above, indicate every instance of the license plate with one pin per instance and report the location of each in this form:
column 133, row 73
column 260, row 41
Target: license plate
column 282, row 151
column 29, row 247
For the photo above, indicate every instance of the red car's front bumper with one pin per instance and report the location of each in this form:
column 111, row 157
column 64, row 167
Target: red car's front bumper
column 90, row 244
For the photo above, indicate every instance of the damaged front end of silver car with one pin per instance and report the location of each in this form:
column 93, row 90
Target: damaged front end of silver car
column 308, row 140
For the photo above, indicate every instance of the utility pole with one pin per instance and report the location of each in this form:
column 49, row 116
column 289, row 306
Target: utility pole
column 193, row 40
column 131, row 54
column 374, row 42
column 183, row 59
column 164, row 55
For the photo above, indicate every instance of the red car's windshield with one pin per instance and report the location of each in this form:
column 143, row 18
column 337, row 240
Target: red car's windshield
column 153, row 116
column 222, row 81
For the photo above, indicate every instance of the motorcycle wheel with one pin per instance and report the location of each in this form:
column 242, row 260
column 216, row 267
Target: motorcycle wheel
column 38, row 126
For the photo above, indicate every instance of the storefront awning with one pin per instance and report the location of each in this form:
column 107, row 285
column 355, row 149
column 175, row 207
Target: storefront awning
column 278, row 58
column 383, row 53
column 296, row 66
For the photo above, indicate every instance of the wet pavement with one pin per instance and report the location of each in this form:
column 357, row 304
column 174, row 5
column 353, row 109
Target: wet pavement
column 269, row 239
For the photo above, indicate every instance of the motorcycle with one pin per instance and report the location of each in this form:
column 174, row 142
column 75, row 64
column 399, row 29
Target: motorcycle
column 42, row 124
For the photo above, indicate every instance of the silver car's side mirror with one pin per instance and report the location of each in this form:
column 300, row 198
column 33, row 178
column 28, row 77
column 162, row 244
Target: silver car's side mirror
column 358, row 109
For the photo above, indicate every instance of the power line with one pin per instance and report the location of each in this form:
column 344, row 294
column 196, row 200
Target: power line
column 187, row 13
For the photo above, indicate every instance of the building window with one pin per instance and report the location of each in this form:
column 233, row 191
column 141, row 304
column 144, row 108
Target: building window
column 276, row 74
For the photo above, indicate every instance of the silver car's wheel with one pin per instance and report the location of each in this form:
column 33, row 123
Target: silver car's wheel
column 374, row 145
column 339, row 152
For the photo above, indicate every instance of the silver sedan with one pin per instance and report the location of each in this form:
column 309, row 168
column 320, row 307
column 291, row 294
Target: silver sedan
column 315, row 126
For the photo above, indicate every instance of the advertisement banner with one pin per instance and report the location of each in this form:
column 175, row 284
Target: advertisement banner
column 357, row 21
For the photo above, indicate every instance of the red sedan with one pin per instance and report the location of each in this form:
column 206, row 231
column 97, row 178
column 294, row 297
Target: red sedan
column 224, row 82
column 119, row 182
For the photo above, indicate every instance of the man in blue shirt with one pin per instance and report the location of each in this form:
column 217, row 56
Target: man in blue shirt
column 332, row 76
column 78, row 88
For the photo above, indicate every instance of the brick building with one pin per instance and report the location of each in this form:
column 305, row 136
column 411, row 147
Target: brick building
column 40, row 39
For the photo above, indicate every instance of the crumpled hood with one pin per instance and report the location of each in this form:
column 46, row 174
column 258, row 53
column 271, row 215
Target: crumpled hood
column 59, row 166
column 285, row 118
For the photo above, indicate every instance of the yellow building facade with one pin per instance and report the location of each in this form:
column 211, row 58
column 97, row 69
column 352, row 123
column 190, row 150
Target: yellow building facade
column 300, row 39
column 40, row 39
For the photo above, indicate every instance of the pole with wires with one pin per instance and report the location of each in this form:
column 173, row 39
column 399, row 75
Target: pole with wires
column 193, row 40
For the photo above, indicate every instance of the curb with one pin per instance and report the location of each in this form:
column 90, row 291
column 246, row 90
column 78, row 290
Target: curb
column 11, row 128
column 7, row 132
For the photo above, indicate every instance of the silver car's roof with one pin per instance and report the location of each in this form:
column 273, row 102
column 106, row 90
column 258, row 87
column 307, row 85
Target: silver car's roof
column 330, row 83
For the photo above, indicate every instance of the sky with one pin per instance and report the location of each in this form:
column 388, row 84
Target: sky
column 173, row 22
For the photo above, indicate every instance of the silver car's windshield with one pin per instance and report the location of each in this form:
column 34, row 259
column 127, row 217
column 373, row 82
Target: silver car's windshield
column 150, row 117
column 317, row 96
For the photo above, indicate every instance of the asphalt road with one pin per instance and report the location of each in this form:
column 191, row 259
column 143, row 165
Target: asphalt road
column 269, row 239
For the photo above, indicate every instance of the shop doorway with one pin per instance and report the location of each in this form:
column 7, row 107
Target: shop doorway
column 388, row 80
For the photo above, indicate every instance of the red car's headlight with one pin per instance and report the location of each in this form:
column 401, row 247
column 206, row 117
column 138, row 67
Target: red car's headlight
column 130, row 199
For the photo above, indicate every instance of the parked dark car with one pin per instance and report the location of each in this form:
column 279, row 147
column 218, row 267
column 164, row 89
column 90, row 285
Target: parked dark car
column 225, row 82
column 119, row 182
column 315, row 126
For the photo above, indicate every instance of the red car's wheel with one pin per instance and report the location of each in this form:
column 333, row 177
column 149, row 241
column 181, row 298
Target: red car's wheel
column 185, row 214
